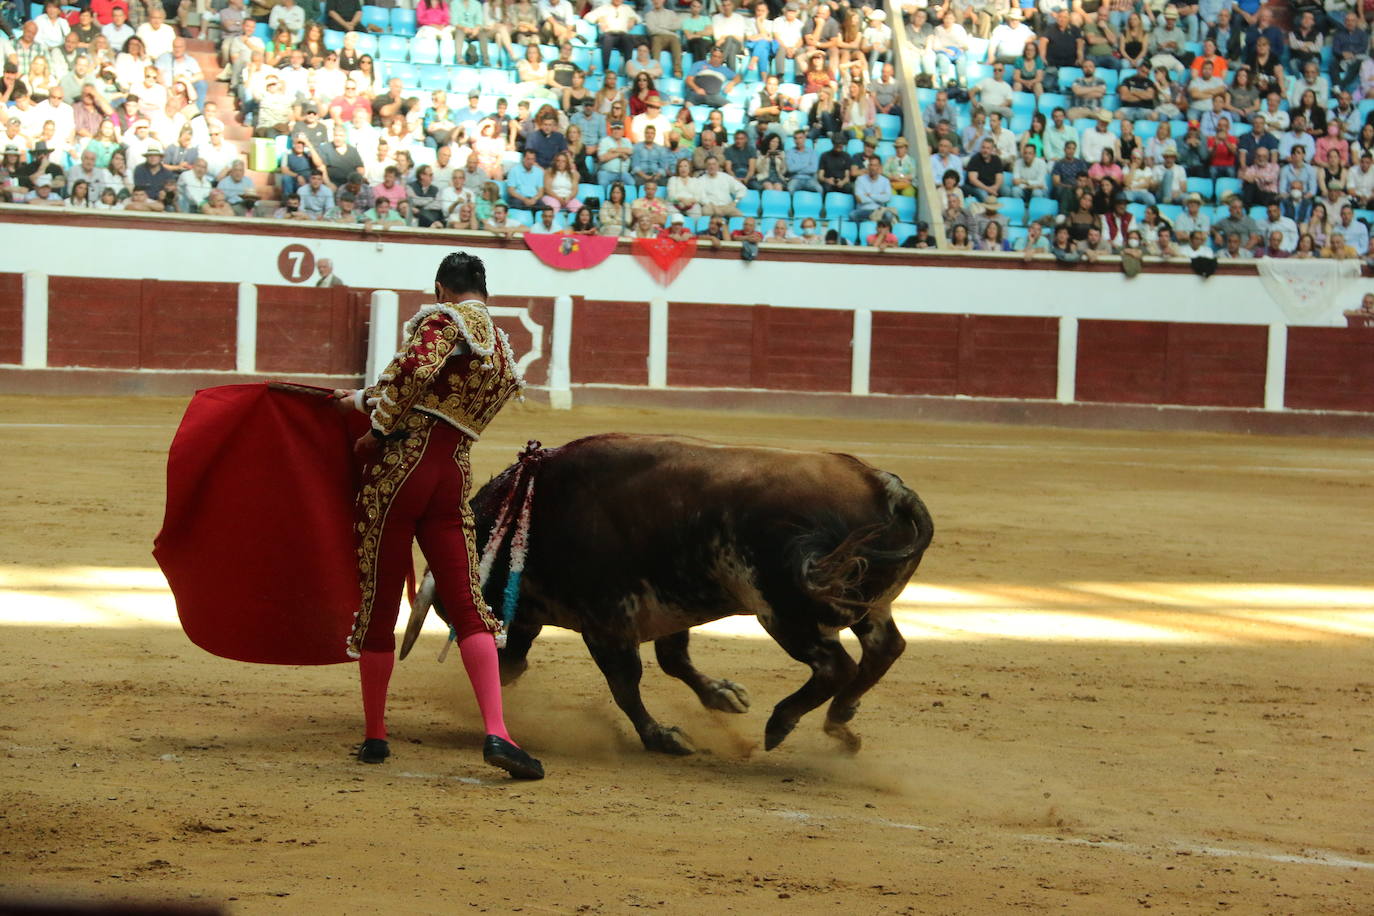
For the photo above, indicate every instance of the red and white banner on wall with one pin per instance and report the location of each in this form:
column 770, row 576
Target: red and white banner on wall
column 566, row 251
column 663, row 257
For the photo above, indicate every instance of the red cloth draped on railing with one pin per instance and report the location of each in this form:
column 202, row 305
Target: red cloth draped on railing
column 663, row 257
column 566, row 251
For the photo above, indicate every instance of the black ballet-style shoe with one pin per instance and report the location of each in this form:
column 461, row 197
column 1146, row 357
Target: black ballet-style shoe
column 374, row 750
column 501, row 753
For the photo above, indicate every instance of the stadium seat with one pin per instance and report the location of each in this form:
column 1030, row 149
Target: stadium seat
column 669, row 86
column 905, row 207
column 464, row 79
column 866, row 228
column 1043, row 207
column 854, row 146
column 1170, row 212
column 1014, row 235
column 890, row 125
column 424, row 51
column 1227, row 187
column 1049, row 101
column 1137, row 211
column 838, row 205
column 903, row 231
column 776, row 204
column 367, row 44
column 1022, row 103
column 849, row 231
column 378, row 16
column 407, row 74
column 1257, row 214
column 806, row 203
column 263, row 33
column 1201, row 186
column 749, row 203
column 823, row 145
column 393, row 48
column 402, row 22
column 433, row 77
column 734, row 224
column 333, row 40
column 1067, row 75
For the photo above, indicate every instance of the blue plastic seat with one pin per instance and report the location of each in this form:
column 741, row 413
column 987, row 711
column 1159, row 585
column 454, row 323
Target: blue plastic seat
column 1170, row 212
column 333, row 40
column 1042, row 208
column 424, row 51
column 1227, row 186
column 433, row 77
column 1014, row 209
column 407, row 74
column 838, row 205
column 393, row 48
column 376, row 15
column 367, row 44
column 749, row 204
column 402, row 22
column 1049, row 101
column 776, row 204
column 866, row 228
column 806, row 203
column 905, row 207
column 735, row 224
column 1203, row 186
column 1067, row 75
column 890, row 125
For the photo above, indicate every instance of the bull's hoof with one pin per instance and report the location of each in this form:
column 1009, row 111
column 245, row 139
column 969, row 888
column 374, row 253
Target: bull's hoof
column 667, row 739
column 777, row 730
column 845, row 735
column 511, row 671
column 726, row 696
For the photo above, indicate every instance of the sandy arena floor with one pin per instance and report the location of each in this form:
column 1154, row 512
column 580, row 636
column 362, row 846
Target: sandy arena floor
column 1140, row 675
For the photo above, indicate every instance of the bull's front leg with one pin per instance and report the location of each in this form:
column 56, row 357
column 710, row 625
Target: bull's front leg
column 619, row 662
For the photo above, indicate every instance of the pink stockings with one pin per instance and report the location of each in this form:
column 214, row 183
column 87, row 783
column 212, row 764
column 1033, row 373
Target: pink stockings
column 480, row 660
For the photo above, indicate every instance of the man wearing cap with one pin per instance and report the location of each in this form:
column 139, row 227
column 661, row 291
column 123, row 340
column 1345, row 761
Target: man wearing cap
column 151, row 175
column 42, row 194
column 591, row 122
column 310, row 127
column 613, row 156
column 1193, row 218
column 876, row 40
column 709, row 82
column 651, row 116
column 615, row 20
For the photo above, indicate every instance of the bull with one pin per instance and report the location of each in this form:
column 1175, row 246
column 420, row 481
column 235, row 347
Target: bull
column 640, row 538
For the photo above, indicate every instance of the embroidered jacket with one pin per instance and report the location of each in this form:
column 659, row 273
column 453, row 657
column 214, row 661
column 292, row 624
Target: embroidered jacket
column 455, row 365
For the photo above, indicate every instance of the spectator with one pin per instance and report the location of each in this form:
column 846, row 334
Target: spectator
column 344, row 211
column 710, row 81
column 1063, row 247
column 1030, row 175
column 1260, row 181
column 1101, row 138
column 1139, row 94
column 1275, row 223
column 561, row 183
column 151, row 175
column 1238, row 223
column 1193, row 218
column 614, row 216
column 992, row 238
column 423, row 197
column 1221, row 151
column 1354, row 232
column 614, row 20
column 1061, row 44
column 780, row 234
column 338, row 160
column 994, row 93
column 651, row 116
column 834, row 168
column 1360, row 181
column 1170, row 179
column 217, row 204
column 650, row 206
column 984, row 175
column 1067, row 175
column 193, row 187
column 583, row 223
column 900, row 169
column 719, row 194
column 648, row 160
column 665, row 33
column 1058, row 134
column 1196, row 246
column 769, row 168
column 546, row 141
column 525, row 183
column 1033, row 242
column 1307, row 247
column 237, row 188
column 456, row 195
column 383, row 212
column 958, row 236
column 1138, row 180
column 1008, row 41
column 682, row 190
column 872, row 194
column 1349, row 49
column 802, row 165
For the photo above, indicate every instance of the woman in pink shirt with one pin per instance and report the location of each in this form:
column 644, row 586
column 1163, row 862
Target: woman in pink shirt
column 1105, row 168
column 1332, row 141
column 432, row 18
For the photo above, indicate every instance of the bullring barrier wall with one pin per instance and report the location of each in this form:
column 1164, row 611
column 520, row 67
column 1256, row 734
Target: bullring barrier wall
column 799, row 329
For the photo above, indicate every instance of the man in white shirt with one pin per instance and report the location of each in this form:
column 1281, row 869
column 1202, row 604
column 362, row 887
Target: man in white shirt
column 1008, row 41
column 788, row 30
column 651, row 116
column 1030, row 175
column 178, row 65
column 557, row 22
column 718, row 194
column 1100, row 138
column 1195, row 246
column 1285, row 227
column 615, row 21
column 193, row 187
column 452, row 197
column 286, row 14
column 994, row 93
column 295, row 77
column 118, row 31
column 1171, row 181
column 60, row 113
column 218, row 153
column 1311, row 79
column 1002, row 138
column 52, row 28
column 137, row 140
column 728, row 30
column 873, row 194
column 156, row 34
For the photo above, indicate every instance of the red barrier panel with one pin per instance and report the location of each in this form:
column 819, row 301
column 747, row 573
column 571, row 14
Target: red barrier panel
column 802, row 349
column 710, row 346
column 1008, row 356
column 311, row 329
column 1122, row 362
column 94, row 323
column 1330, row 369
column 188, row 325
column 914, row 354
column 11, row 318
column 610, row 342
column 1151, row 362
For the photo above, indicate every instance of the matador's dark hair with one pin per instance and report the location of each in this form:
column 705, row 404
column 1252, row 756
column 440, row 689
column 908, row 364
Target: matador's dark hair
column 460, row 272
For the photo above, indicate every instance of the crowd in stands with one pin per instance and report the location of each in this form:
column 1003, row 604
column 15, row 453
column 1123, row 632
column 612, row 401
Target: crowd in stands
column 777, row 123
column 1165, row 128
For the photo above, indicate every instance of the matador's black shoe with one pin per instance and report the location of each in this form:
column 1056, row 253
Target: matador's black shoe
column 374, row 750
column 501, row 753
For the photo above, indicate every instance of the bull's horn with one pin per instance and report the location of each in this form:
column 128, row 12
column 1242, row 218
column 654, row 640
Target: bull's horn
column 419, row 610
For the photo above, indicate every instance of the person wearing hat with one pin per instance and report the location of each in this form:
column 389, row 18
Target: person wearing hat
column 42, row 194
column 1193, row 218
column 1168, row 45
column 591, row 122
column 900, row 169
column 151, row 175
column 876, row 40
column 1171, row 179
column 1007, row 42
column 1100, row 138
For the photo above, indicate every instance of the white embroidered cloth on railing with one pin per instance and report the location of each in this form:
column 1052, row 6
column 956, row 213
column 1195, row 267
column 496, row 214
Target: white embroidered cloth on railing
column 1306, row 290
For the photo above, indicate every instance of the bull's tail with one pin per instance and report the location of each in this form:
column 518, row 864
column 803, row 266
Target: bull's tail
column 871, row 564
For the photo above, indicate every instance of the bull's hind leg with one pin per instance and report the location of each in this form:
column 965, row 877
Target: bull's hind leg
column 620, row 664
column 714, row 693
column 513, row 656
column 882, row 645
column 831, row 668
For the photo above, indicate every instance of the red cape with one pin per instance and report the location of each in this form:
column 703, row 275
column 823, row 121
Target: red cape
column 258, row 543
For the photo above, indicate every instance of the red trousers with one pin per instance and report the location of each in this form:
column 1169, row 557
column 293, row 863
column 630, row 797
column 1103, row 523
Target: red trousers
column 416, row 487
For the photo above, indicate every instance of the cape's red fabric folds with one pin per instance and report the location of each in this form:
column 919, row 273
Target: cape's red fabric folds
column 257, row 542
